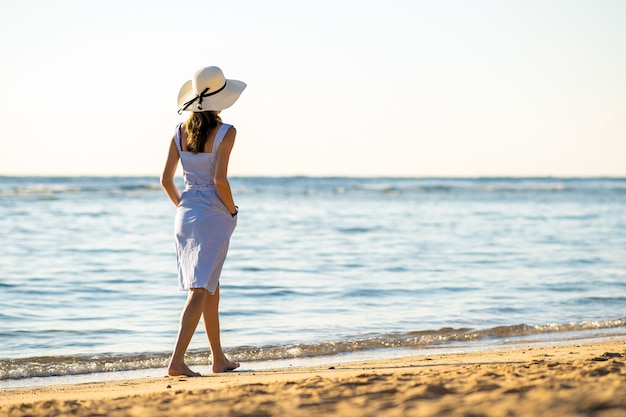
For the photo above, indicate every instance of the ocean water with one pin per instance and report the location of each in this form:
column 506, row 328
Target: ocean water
column 317, row 267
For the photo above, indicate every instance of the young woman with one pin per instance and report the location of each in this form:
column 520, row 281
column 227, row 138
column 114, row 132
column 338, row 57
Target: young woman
column 206, row 213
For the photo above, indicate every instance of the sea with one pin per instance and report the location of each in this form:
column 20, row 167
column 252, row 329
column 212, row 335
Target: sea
column 320, row 270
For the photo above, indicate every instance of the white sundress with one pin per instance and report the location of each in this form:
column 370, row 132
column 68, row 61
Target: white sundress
column 203, row 225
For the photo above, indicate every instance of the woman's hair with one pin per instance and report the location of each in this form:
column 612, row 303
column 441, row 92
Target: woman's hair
column 198, row 127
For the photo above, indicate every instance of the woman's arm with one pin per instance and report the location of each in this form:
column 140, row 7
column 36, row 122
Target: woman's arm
column 167, row 177
column 221, row 170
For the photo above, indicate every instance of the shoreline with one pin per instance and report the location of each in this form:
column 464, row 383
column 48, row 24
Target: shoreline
column 574, row 378
column 525, row 341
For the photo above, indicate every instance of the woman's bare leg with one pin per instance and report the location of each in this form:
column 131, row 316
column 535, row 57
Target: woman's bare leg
column 188, row 323
column 210, row 316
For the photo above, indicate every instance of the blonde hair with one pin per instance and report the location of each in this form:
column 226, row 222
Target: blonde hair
column 198, row 127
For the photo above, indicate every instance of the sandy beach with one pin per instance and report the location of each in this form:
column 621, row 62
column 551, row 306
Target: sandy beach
column 579, row 379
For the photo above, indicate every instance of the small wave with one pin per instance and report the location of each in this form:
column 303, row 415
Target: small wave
column 38, row 190
column 389, row 189
column 50, row 187
column 354, row 230
column 489, row 185
column 47, row 366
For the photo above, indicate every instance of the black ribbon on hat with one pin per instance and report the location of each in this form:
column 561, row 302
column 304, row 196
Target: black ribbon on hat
column 199, row 98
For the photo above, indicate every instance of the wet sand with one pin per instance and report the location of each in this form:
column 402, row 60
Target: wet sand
column 578, row 379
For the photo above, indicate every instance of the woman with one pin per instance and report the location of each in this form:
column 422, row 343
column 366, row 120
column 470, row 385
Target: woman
column 206, row 216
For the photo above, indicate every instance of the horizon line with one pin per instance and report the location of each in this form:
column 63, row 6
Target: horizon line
column 564, row 177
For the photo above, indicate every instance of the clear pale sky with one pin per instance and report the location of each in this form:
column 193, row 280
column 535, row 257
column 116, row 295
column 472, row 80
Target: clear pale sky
column 335, row 87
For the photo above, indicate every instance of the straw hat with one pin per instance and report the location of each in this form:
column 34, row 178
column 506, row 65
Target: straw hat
column 209, row 90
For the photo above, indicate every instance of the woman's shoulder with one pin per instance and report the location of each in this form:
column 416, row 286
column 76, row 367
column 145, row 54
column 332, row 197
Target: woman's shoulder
column 227, row 129
column 228, row 137
column 230, row 131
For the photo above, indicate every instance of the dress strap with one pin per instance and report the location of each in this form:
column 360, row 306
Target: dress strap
column 178, row 138
column 219, row 136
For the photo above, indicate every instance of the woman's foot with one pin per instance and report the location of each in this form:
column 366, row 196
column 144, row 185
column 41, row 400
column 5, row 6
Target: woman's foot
column 181, row 370
column 224, row 365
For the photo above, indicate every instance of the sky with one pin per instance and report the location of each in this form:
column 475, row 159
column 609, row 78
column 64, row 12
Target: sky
column 445, row 88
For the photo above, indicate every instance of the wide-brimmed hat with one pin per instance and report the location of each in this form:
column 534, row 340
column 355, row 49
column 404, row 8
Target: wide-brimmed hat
column 209, row 90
